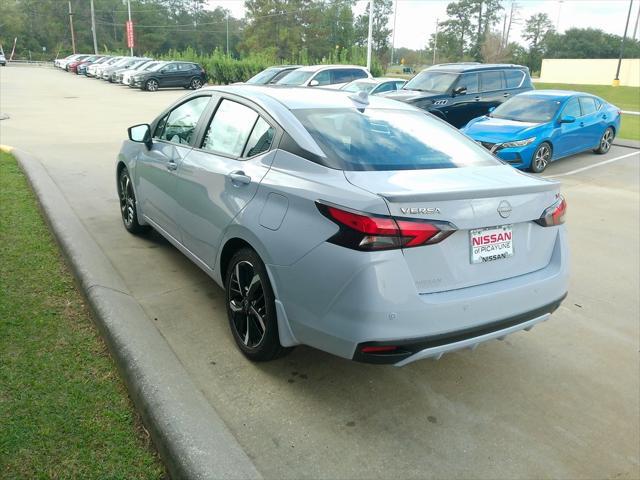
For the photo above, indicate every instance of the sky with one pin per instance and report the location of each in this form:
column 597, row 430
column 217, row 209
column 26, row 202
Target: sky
column 416, row 19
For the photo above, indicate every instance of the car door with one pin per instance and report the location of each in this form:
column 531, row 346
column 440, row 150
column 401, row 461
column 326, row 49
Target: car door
column 219, row 178
column 464, row 106
column 568, row 137
column 169, row 75
column 492, row 91
column 173, row 139
column 591, row 122
column 185, row 72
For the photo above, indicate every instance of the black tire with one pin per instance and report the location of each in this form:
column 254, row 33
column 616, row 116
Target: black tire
column 541, row 157
column 251, row 308
column 151, row 85
column 195, row 83
column 605, row 141
column 128, row 209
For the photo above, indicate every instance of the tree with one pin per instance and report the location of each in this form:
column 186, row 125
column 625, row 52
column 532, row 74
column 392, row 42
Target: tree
column 382, row 9
column 588, row 43
column 536, row 31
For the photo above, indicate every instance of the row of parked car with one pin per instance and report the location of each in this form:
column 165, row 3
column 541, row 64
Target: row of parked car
column 136, row 72
column 494, row 104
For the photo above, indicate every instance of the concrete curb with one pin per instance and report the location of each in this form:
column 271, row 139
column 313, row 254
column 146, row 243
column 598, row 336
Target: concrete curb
column 626, row 143
column 192, row 439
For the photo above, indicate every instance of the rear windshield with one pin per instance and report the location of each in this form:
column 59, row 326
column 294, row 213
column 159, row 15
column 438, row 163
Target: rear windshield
column 386, row 139
column 262, row 77
column 527, row 109
column 359, row 87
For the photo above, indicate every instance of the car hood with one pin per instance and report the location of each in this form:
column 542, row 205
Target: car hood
column 408, row 95
column 497, row 130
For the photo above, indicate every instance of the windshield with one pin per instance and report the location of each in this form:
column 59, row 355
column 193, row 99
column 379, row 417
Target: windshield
column 359, row 87
column 263, row 77
column 385, row 139
column 430, row 81
column 296, row 77
column 527, row 109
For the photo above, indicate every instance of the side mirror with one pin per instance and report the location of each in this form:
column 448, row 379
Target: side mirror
column 568, row 119
column 460, row 90
column 314, row 83
column 141, row 134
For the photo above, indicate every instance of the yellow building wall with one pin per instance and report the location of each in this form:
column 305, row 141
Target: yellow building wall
column 600, row 71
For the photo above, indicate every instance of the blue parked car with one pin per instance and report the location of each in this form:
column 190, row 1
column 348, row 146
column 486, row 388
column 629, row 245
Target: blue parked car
column 537, row 127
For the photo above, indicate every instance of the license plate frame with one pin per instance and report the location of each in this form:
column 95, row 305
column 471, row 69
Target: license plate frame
column 486, row 249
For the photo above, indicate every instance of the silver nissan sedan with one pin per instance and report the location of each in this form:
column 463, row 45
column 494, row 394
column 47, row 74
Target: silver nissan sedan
column 357, row 225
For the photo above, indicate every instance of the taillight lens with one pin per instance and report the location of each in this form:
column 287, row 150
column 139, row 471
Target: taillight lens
column 364, row 231
column 554, row 215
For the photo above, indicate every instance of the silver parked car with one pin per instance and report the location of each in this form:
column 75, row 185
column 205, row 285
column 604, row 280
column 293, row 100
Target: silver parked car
column 357, row 225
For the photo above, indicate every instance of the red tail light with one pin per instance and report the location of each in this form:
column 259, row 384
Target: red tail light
column 554, row 215
column 364, row 231
column 378, row 349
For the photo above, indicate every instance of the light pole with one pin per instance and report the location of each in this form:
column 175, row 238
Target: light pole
column 227, row 33
column 93, row 29
column 370, row 37
column 558, row 19
column 435, row 44
column 393, row 36
column 616, row 81
column 73, row 36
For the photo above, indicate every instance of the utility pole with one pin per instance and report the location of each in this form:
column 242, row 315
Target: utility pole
column 227, row 33
column 93, row 29
column 370, row 37
column 393, row 35
column 73, row 36
column 130, row 23
column 558, row 19
column 635, row 29
column 616, row 81
column 435, row 42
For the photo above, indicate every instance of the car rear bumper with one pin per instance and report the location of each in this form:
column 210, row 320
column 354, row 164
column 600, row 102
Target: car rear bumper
column 339, row 300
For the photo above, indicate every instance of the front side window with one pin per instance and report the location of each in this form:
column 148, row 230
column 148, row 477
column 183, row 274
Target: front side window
column 323, row 78
column 470, row 81
column 179, row 125
column 572, row 109
column 491, row 81
column 172, row 67
column 588, row 105
column 230, row 128
column 389, row 139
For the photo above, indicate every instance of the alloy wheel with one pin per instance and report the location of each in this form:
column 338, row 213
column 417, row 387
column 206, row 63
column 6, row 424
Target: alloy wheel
column 247, row 304
column 152, row 85
column 127, row 200
column 541, row 159
column 196, row 83
column 607, row 139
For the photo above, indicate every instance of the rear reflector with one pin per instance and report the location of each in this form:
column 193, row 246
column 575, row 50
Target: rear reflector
column 378, row 349
column 554, row 215
column 364, row 231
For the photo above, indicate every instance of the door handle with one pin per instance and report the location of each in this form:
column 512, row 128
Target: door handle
column 506, row 95
column 172, row 165
column 238, row 178
column 477, row 99
column 582, row 124
column 604, row 117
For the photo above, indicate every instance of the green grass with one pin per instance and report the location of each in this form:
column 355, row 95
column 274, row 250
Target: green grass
column 627, row 98
column 64, row 411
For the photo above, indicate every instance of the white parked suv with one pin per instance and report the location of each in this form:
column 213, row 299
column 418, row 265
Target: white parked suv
column 327, row 76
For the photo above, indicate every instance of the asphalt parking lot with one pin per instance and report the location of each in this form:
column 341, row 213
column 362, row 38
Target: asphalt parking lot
column 562, row 401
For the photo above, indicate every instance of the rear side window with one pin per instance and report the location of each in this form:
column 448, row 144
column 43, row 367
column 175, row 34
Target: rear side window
column 572, row 108
column 260, row 139
column 588, row 105
column 491, row 81
column 388, row 139
column 179, row 125
column 513, row 78
column 469, row 80
column 358, row 73
column 342, row 76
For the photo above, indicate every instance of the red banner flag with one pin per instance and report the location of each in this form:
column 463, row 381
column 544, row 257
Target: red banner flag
column 130, row 38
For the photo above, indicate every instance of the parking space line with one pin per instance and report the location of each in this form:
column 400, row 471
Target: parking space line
column 599, row 164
